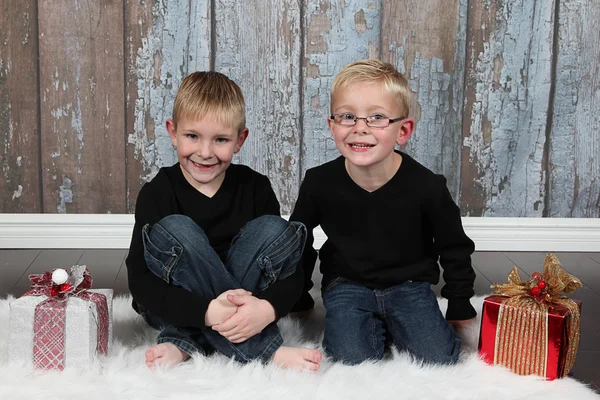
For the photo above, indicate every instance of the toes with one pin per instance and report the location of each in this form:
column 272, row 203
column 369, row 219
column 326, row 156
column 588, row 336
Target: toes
column 312, row 367
column 150, row 355
column 318, row 356
column 313, row 356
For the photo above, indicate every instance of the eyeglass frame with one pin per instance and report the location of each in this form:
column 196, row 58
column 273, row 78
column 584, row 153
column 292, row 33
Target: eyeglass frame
column 391, row 121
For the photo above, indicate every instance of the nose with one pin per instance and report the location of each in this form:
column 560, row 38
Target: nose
column 204, row 150
column 361, row 125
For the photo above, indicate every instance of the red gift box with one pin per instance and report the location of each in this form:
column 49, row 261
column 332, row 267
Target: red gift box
column 528, row 327
column 528, row 342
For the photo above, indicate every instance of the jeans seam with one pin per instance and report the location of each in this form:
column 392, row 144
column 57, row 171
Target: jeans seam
column 382, row 306
column 275, row 255
column 373, row 335
column 239, row 353
column 168, row 267
column 331, row 284
column 279, row 255
column 268, row 351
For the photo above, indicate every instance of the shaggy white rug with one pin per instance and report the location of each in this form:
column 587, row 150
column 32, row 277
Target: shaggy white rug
column 123, row 375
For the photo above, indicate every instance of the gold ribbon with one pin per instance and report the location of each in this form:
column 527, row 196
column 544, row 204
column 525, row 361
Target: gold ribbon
column 522, row 330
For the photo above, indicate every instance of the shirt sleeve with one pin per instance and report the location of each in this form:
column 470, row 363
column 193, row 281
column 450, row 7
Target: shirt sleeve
column 266, row 202
column 284, row 293
column 172, row 304
column 305, row 211
column 454, row 249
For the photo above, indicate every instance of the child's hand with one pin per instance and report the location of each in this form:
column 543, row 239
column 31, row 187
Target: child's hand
column 221, row 308
column 252, row 316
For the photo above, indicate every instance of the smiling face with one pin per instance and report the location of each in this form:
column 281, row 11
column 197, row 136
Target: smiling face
column 205, row 149
column 360, row 144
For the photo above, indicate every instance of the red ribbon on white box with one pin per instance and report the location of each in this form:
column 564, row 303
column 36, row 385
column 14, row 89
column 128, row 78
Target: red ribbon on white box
column 50, row 316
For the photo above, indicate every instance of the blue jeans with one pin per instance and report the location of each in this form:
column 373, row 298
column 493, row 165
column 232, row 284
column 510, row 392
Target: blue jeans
column 265, row 250
column 360, row 322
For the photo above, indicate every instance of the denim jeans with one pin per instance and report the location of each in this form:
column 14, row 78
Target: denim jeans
column 265, row 250
column 360, row 322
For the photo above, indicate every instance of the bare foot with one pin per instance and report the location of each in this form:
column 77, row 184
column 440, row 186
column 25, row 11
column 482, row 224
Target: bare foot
column 165, row 354
column 298, row 357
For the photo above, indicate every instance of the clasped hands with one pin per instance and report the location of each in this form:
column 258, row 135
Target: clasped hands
column 237, row 315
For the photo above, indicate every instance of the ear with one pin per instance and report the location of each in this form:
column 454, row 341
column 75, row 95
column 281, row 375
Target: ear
column 330, row 124
column 172, row 129
column 405, row 132
column 240, row 140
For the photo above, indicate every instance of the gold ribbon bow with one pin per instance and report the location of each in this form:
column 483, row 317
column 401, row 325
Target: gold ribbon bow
column 523, row 318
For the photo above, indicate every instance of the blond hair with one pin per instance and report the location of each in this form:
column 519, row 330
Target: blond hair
column 213, row 95
column 374, row 71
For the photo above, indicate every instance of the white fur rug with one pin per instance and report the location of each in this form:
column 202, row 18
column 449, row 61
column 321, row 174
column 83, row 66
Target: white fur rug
column 123, row 374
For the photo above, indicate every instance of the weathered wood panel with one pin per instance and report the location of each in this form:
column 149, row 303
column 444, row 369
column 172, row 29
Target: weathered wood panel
column 509, row 56
column 165, row 42
column 517, row 78
column 426, row 41
column 574, row 156
column 336, row 33
column 19, row 108
column 82, row 113
column 259, row 48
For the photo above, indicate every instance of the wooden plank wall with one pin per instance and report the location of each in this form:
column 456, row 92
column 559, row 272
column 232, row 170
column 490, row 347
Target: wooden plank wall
column 505, row 93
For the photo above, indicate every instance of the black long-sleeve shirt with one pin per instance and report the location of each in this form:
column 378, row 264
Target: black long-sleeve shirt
column 385, row 237
column 244, row 195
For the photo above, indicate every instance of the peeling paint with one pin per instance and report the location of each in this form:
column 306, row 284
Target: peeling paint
column 175, row 44
column 65, row 195
column 506, row 115
column 318, row 26
column 25, row 28
column 509, row 109
column 17, row 193
column 435, row 69
column 429, row 81
column 344, row 42
column 270, row 88
column 360, row 22
column 574, row 160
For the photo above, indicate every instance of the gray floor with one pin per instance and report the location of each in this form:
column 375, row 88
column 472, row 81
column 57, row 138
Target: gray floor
column 109, row 271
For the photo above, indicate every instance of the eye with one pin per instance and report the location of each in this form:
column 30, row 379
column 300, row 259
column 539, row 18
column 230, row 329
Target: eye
column 191, row 136
column 222, row 140
column 376, row 117
column 345, row 117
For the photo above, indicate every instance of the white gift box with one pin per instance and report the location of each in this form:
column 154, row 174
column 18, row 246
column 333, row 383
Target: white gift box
column 81, row 329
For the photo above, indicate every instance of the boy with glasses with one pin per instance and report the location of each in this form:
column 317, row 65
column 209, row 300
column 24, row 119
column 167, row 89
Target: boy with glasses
column 388, row 221
column 211, row 263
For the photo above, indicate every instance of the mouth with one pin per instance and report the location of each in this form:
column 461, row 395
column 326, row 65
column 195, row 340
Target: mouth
column 203, row 167
column 360, row 146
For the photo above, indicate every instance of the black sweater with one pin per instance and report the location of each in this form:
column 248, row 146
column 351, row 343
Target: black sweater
column 385, row 237
column 244, row 195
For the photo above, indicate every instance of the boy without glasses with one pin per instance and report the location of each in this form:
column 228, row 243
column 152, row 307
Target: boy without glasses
column 388, row 221
column 211, row 264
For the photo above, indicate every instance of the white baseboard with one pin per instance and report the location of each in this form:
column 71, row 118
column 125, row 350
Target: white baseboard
column 113, row 231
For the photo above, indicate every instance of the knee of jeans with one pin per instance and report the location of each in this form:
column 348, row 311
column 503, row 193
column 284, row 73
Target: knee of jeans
column 275, row 223
column 281, row 258
column 183, row 229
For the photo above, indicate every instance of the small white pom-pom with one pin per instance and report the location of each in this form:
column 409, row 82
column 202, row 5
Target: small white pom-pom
column 60, row 276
